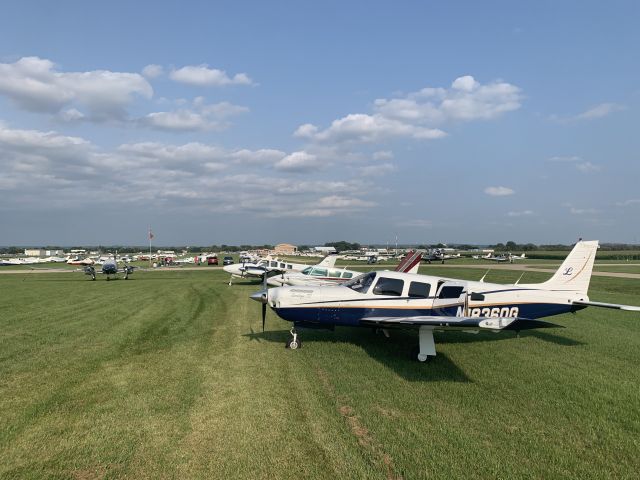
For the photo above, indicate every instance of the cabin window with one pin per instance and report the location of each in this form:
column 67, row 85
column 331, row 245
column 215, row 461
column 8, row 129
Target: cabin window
column 450, row 291
column 419, row 290
column 389, row 286
column 347, row 274
column 274, row 264
column 361, row 283
column 319, row 272
column 289, row 266
column 334, row 273
column 282, row 265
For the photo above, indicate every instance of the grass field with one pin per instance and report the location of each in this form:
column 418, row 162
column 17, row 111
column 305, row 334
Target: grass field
column 167, row 375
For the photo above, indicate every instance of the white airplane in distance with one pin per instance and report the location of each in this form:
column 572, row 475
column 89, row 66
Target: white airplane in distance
column 320, row 275
column 506, row 257
column 386, row 300
column 268, row 265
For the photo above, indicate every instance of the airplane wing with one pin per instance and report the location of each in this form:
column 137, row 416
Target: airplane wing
column 488, row 323
column 617, row 306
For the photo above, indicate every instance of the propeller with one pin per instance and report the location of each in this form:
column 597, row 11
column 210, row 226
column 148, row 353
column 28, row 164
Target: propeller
column 262, row 296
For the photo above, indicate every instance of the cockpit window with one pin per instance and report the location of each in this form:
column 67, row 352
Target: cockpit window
column 361, row 283
column 319, row 272
column 307, row 270
column 389, row 286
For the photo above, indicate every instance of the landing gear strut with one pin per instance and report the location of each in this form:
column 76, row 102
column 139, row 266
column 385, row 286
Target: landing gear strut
column 294, row 342
column 426, row 348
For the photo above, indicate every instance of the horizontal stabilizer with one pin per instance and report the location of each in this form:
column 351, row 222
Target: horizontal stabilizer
column 631, row 308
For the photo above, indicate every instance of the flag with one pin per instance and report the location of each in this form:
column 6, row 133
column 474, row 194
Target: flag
column 150, row 234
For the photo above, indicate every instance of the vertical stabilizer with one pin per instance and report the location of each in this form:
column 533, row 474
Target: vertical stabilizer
column 575, row 272
column 410, row 263
column 328, row 261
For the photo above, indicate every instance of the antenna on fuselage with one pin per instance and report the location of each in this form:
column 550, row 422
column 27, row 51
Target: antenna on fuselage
column 482, row 279
column 517, row 281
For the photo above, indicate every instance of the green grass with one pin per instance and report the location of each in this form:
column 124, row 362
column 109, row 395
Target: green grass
column 167, row 375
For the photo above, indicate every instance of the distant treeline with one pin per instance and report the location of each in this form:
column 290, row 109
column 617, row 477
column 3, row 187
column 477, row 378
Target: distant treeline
column 340, row 246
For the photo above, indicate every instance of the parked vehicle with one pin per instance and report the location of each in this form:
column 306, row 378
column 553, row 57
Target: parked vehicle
column 227, row 261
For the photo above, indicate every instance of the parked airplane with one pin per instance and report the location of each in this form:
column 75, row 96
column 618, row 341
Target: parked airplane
column 427, row 303
column 319, row 275
column 504, row 257
column 109, row 267
column 80, row 261
column 439, row 255
column 269, row 265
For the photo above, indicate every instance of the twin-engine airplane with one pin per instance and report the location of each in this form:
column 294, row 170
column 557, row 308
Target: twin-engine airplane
column 109, row 267
column 270, row 265
column 505, row 257
column 387, row 299
column 319, row 275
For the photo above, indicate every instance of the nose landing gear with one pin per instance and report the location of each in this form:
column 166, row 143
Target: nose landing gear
column 294, row 342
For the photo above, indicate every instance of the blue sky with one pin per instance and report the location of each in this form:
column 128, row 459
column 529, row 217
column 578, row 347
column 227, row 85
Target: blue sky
column 308, row 122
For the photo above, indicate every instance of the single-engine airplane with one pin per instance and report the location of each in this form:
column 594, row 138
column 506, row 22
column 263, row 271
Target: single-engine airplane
column 109, row 267
column 385, row 300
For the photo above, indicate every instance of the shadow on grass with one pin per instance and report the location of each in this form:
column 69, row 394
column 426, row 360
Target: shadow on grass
column 393, row 352
column 549, row 337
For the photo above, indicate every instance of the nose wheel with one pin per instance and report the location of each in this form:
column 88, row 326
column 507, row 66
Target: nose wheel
column 294, row 342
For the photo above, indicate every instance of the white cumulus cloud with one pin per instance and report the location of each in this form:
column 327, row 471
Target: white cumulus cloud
column 299, row 162
column 419, row 114
column 152, row 71
column 203, row 76
column 499, row 191
column 599, row 111
column 34, row 84
column 197, row 117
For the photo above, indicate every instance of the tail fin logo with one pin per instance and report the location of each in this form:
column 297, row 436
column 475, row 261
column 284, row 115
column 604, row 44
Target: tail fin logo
column 568, row 271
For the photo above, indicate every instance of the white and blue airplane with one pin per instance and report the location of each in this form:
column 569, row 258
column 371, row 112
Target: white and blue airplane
column 385, row 300
column 109, row 268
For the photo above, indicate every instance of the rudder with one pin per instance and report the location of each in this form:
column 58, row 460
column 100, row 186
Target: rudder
column 575, row 272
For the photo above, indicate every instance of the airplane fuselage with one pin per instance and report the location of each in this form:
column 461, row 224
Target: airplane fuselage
column 417, row 296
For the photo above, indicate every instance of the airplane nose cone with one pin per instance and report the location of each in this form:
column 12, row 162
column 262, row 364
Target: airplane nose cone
column 260, row 296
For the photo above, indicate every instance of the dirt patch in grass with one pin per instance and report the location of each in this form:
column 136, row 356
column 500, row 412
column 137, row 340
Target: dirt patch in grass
column 97, row 473
column 365, row 438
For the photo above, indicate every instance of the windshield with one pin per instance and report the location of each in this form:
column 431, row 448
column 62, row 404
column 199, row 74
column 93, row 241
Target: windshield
column 361, row 283
column 306, row 271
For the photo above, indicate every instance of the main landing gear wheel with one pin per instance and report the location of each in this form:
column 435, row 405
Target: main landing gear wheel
column 422, row 358
column 294, row 342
